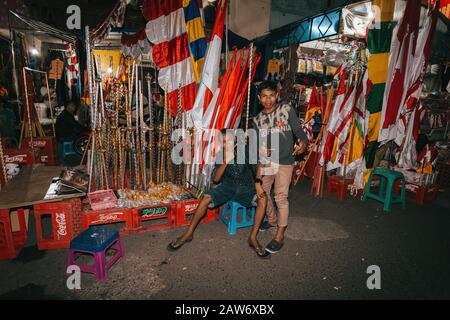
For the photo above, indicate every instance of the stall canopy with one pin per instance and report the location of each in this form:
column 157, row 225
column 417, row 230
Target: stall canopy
column 43, row 27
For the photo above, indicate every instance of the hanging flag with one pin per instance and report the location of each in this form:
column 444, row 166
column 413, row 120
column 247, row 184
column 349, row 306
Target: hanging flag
column 408, row 130
column 196, row 36
column 166, row 30
column 210, row 74
column 400, row 71
column 73, row 68
column 359, row 126
column 378, row 45
column 313, row 105
column 326, row 146
column 135, row 44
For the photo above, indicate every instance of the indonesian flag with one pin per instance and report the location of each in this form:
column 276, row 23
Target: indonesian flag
column 210, row 75
column 166, row 30
column 401, row 63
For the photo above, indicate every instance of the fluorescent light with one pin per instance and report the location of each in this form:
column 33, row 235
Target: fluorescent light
column 110, row 70
column 34, row 51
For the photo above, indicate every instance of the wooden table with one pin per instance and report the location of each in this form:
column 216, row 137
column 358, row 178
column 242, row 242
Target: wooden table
column 31, row 186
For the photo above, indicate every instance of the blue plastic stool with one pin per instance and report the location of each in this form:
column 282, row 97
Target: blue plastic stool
column 65, row 149
column 96, row 241
column 385, row 192
column 235, row 216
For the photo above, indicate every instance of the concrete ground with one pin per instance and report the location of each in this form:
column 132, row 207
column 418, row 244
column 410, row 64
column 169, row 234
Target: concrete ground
column 329, row 246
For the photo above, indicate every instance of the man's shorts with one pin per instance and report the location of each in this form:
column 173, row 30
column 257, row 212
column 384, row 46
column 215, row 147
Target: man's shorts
column 245, row 195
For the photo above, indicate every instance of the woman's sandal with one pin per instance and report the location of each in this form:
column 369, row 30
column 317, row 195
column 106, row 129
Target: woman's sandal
column 260, row 250
column 178, row 243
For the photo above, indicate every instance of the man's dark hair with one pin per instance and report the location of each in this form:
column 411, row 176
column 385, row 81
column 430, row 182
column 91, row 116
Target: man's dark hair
column 71, row 102
column 271, row 85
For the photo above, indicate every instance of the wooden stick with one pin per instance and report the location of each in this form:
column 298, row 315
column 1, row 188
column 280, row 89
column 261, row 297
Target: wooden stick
column 50, row 105
column 28, row 110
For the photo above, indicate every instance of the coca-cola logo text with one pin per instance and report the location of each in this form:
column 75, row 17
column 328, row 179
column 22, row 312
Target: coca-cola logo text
column 17, row 158
column 105, row 217
column 61, row 225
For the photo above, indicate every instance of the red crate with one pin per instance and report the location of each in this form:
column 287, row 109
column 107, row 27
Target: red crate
column 47, row 148
column 154, row 213
column 102, row 199
column 11, row 242
column 98, row 217
column 66, row 221
column 339, row 185
column 186, row 208
column 417, row 193
column 19, row 156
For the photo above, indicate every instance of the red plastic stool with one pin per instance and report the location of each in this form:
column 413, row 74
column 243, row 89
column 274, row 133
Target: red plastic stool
column 11, row 242
column 339, row 185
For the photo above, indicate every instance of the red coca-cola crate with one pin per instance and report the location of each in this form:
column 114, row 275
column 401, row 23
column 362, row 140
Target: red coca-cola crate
column 419, row 194
column 186, row 209
column 46, row 147
column 66, row 223
column 11, row 242
column 116, row 215
column 19, row 156
column 156, row 217
column 338, row 185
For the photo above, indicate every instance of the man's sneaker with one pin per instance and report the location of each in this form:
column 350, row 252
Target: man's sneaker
column 274, row 246
column 265, row 226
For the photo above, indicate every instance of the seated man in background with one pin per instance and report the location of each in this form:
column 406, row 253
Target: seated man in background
column 7, row 120
column 66, row 127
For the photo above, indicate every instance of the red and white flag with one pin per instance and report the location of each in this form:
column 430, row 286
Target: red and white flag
column 400, row 72
column 210, row 75
column 166, row 30
column 411, row 109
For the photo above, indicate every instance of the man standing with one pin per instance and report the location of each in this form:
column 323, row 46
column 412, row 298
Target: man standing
column 278, row 122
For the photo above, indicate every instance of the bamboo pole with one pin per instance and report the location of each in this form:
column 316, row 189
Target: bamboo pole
column 50, row 104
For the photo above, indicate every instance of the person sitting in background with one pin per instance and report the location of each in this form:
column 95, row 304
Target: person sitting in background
column 66, row 127
column 7, row 120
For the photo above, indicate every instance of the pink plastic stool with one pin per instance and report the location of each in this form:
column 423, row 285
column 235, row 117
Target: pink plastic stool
column 96, row 241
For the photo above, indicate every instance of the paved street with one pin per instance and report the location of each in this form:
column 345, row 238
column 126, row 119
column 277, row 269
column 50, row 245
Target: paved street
column 329, row 246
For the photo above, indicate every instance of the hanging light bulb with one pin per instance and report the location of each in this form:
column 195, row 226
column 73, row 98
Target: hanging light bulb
column 34, row 51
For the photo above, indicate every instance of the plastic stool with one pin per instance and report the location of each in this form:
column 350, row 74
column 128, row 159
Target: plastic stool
column 66, row 149
column 235, row 216
column 96, row 241
column 385, row 189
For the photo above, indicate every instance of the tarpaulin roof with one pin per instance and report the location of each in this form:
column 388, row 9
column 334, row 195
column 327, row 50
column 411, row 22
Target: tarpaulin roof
column 40, row 26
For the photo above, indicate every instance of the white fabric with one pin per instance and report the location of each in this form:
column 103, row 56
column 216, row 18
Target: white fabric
column 165, row 28
column 173, row 75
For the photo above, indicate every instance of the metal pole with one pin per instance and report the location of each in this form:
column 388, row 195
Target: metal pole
column 91, row 99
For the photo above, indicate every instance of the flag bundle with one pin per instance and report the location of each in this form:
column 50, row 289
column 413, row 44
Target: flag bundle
column 210, row 74
column 410, row 108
